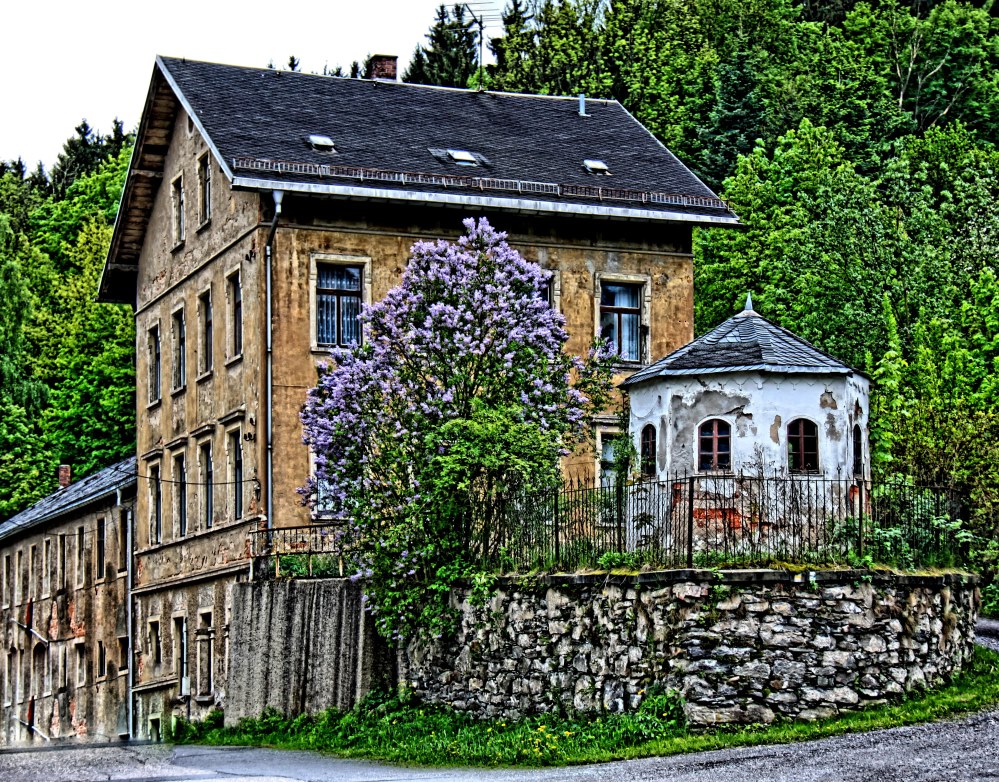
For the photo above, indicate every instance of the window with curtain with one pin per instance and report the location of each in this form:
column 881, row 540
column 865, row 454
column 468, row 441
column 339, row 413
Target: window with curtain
column 621, row 318
column 338, row 304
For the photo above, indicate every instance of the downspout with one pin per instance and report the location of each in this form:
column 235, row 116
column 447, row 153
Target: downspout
column 130, row 611
column 268, row 253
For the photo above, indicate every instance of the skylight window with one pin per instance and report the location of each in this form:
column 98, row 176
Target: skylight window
column 462, row 157
column 596, row 167
column 321, row 143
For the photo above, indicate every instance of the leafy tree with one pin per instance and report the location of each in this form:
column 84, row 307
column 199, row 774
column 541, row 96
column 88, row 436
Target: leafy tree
column 24, row 466
column 90, row 422
column 451, row 57
column 818, row 251
column 460, row 395
column 56, row 223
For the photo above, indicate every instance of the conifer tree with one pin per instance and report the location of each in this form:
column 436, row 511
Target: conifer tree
column 450, row 58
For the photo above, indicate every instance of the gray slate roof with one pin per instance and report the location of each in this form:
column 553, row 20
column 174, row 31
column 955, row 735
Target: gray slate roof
column 747, row 342
column 73, row 497
column 258, row 122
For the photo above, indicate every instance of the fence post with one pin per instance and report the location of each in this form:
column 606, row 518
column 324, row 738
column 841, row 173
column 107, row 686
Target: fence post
column 619, row 512
column 555, row 522
column 860, row 519
column 690, row 521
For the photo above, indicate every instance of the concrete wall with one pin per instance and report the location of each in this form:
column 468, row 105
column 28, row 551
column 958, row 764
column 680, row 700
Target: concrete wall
column 50, row 675
column 758, row 407
column 748, row 646
column 300, row 646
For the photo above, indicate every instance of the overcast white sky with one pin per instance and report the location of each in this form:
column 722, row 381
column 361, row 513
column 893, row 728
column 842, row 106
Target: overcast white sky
column 65, row 60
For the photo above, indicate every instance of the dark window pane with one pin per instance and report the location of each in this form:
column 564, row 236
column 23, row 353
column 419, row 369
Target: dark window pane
column 629, row 336
column 619, row 295
column 350, row 326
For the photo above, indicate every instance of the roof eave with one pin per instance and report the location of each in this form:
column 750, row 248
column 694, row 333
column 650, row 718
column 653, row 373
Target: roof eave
column 768, row 369
column 480, row 201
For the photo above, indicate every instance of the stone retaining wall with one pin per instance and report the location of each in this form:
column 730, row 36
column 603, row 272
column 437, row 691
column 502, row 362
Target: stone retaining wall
column 740, row 646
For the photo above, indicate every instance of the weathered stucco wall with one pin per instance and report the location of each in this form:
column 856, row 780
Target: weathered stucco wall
column 758, row 407
column 580, row 253
column 52, row 676
column 748, row 646
column 300, row 646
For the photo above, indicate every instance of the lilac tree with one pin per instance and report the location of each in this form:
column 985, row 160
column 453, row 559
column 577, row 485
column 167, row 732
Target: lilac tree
column 461, row 395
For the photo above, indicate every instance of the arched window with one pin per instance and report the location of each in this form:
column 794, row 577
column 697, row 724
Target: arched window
column 802, row 446
column 858, row 451
column 714, row 445
column 648, row 452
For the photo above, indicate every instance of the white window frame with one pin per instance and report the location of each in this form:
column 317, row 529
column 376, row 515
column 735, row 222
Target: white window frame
column 645, row 316
column 600, row 432
column 335, row 259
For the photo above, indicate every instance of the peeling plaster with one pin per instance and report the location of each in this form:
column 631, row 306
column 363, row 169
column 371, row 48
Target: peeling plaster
column 828, row 401
column 775, row 429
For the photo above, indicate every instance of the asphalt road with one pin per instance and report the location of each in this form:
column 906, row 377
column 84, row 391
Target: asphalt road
column 956, row 751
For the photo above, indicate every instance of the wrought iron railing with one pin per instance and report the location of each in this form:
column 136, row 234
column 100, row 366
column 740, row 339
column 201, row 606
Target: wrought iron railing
column 707, row 519
column 690, row 520
column 308, row 550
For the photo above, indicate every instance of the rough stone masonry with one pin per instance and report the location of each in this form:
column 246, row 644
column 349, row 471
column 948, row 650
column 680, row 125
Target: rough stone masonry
column 740, row 646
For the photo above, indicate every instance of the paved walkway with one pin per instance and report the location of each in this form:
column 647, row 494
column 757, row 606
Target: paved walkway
column 958, row 751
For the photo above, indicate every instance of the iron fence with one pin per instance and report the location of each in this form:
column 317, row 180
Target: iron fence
column 689, row 520
column 704, row 520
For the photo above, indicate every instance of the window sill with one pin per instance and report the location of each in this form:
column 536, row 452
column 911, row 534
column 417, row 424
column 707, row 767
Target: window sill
column 174, row 392
column 234, row 360
column 204, row 699
column 206, row 223
column 177, row 247
column 154, row 404
column 206, row 375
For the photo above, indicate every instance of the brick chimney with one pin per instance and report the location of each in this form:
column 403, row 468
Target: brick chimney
column 65, row 476
column 382, row 66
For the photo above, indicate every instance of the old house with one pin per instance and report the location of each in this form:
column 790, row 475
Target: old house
column 63, row 601
column 262, row 209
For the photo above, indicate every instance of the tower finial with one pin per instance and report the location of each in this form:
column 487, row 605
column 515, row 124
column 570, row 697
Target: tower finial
column 749, row 302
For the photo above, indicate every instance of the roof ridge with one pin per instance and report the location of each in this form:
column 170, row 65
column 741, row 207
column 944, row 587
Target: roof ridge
column 388, row 82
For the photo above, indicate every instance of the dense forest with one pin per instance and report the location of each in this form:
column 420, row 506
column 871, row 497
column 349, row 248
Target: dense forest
column 856, row 140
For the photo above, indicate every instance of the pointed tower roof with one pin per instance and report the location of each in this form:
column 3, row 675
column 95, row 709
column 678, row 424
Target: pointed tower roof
column 746, row 342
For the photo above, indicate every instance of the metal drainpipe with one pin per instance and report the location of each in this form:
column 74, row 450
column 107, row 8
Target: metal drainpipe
column 278, row 197
column 130, row 611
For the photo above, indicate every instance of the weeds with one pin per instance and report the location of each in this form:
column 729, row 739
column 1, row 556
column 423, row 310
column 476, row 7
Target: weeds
column 401, row 730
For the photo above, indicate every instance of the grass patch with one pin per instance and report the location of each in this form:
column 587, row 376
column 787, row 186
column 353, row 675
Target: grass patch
column 393, row 729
